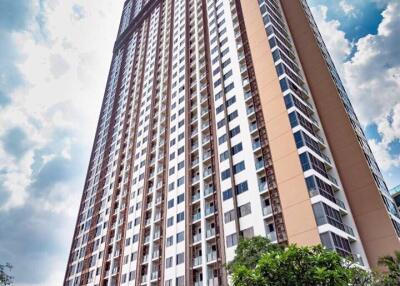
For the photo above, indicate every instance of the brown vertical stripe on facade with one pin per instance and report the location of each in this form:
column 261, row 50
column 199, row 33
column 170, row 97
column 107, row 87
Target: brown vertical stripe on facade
column 218, row 216
column 132, row 142
column 171, row 4
column 295, row 202
column 150, row 139
column 188, row 162
column 373, row 222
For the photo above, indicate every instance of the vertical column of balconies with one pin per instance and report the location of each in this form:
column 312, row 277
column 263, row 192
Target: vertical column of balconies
column 203, row 222
column 318, row 168
column 164, row 127
column 114, row 239
column 150, row 228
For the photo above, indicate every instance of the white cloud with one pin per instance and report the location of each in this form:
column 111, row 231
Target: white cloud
column 64, row 60
column 339, row 47
column 371, row 76
column 347, row 8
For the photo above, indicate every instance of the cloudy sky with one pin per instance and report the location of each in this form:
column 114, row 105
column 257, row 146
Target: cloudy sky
column 54, row 59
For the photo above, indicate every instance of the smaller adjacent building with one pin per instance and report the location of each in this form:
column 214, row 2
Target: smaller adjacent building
column 395, row 192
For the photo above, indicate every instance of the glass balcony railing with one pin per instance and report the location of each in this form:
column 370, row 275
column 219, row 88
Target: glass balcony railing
column 210, row 232
column 208, row 191
column 211, row 256
column 195, row 197
column 209, row 210
column 271, row 236
column 196, row 216
column 196, row 237
column 197, row 261
column 267, row 210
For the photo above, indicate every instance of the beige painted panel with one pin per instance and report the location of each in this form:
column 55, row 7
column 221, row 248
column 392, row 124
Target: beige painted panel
column 296, row 205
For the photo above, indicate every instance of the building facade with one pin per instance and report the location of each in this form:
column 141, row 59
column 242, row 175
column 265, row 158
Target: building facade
column 223, row 119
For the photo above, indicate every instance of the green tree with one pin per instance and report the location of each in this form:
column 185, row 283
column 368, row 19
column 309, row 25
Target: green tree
column 5, row 279
column 392, row 264
column 259, row 263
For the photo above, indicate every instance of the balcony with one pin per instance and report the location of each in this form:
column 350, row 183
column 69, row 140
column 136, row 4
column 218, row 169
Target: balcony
column 145, row 258
column 207, row 172
column 262, row 186
column 144, row 278
column 208, row 191
column 195, row 197
column 256, row 144
column 196, row 216
column 197, row 261
column 154, row 275
column 259, row 164
column 209, row 211
column 156, row 235
column 156, row 254
column 210, row 232
column 196, row 237
column 271, row 236
column 340, row 225
column 267, row 210
column 250, row 110
column 211, row 256
column 253, row 127
column 247, row 95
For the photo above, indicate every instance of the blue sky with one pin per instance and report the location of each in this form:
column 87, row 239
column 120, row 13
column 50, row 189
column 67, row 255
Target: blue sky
column 53, row 69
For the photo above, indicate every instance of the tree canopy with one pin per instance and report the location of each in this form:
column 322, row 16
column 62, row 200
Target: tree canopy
column 5, row 279
column 257, row 262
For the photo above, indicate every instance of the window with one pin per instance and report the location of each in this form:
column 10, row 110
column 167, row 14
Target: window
column 224, row 156
column 233, row 115
column 180, row 236
column 180, row 258
column 226, row 174
column 222, row 139
column 170, row 203
column 229, row 216
column 241, row 188
column 181, row 181
column 227, row 194
column 170, row 241
column 236, row 149
column 244, row 210
column 248, row 232
column 168, row 262
column 180, row 281
column 180, row 198
column 180, row 217
column 231, row 240
column 238, row 167
column 234, row 131
column 221, row 123
column 168, row 282
column 170, row 221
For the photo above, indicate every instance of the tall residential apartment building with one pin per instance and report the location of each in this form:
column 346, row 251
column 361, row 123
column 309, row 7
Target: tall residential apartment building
column 223, row 119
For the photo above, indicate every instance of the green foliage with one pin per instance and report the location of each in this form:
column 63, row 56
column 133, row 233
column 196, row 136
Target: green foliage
column 5, row 279
column 259, row 263
column 392, row 263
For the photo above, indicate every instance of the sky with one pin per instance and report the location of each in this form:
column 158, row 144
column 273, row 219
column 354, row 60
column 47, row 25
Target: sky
column 55, row 56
